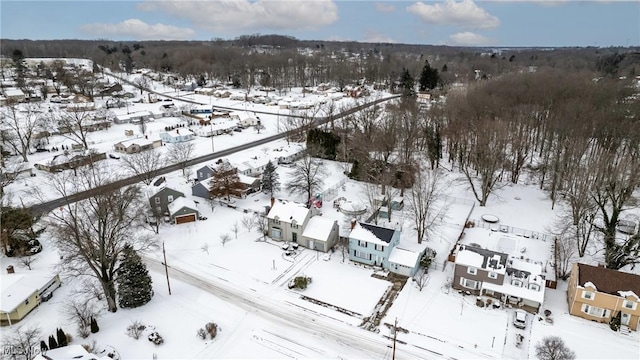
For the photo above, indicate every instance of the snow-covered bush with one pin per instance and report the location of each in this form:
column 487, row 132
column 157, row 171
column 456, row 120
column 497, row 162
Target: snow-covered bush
column 202, row 334
column 135, row 329
column 212, row 329
column 155, row 338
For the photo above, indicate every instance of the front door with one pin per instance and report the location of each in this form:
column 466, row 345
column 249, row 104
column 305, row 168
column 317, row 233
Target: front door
column 624, row 319
column 294, row 237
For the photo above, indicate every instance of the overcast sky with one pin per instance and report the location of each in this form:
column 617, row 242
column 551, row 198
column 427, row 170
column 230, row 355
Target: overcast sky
column 550, row 23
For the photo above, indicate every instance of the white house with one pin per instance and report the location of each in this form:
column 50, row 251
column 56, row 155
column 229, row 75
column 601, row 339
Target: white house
column 320, row 233
column 286, row 220
column 177, row 136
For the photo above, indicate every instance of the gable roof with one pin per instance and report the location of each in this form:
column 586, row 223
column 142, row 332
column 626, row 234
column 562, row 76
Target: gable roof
column 18, row 287
column 289, row 211
column 381, row 233
column 607, row 280
column 372, row 234
column 318, row 228
column 180, row 203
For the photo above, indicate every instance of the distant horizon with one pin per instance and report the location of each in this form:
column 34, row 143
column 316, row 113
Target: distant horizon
column 455, row 23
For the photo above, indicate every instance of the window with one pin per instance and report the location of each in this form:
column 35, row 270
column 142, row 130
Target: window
column 379, row 247
column 157, row 200
column 26, row 302
column 493, row 275
column 360, row 254
column 276, row 221
column 472, row 271
column 588, row 295
column 276, row 233
column 158, row 209
column 170, row 198
column 534, row 287
column 362, row 243
column 595, row 311
column 628, row 304
column 469, row 284
column 516, row 282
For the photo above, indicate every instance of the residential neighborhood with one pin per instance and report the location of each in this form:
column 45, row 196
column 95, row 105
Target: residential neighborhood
column 378, row 202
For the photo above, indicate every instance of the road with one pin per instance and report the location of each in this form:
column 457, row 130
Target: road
column 48, row 206
column 371, row 345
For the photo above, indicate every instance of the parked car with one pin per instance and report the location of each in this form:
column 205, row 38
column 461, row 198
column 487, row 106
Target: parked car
column 114, row 156
column 520, row 319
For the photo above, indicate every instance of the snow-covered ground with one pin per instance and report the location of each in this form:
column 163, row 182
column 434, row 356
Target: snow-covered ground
column 242, row 285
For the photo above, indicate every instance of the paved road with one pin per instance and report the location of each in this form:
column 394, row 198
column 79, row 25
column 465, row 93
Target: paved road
column 294, row 318
column 46, row 207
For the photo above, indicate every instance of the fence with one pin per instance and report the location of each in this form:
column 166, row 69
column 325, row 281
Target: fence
column 511, row 230
column 332, row 192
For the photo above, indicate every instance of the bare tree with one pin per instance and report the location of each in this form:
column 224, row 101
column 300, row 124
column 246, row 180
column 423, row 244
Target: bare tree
column 181, row 153
column 248, row 222
column 553, row 348
column 205, row 248
column 225, row 181
column 75, row 125
column 424, row 197
column 142, row 83
column 421, row 278
column 225, row 238
column 307, row 177
column 262, row 226
column 22, row 122
column 80, row 311
column 145, row 165
column 23, row 340
column 91, row 234
column 27, row 260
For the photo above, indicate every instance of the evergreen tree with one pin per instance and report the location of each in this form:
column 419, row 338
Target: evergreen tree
column 134, row 282
column 429, row 77
column 62, row 338
column 94, row 326
column 52, row 342
column 43, row 346
column 270, row 179
column 407, row 83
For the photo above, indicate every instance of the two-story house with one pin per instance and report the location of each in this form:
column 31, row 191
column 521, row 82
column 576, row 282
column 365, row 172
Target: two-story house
column 287, row 220
column 599, row 294
column 371, row 244
column 513, row 280
column 160, row 197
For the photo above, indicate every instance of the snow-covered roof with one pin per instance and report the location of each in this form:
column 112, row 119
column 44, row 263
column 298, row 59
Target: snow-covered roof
column 626, row 294
column 288, row 211
column 363, row 232
column 137, row 141
column 70, row 352
column 404, row 257
column 318, row 228
column 180, row 203
column 517, row 291
column 13, row 92
column 469, row 258
column 247, row 180
column 16, row 288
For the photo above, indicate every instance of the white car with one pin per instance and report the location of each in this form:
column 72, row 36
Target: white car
column 520, row 319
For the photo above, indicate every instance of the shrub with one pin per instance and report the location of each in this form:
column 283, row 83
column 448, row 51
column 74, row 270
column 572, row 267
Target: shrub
column 301, row 282
column 155, row 338
column 94, row 326
column 615, row 322
column 84, row 331
column 212, row 329
column 69, row 337
column 135, row 329
column 201, row 334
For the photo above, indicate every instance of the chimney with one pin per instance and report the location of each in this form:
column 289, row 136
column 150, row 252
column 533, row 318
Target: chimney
column 10, row 269
column 353, row 223
column 177, row 131
column 272, row 201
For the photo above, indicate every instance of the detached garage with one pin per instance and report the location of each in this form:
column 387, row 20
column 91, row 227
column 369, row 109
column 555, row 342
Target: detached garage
column 183, row 210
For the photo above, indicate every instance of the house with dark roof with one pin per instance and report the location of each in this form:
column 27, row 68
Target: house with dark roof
column 600, row 294
column 512, row 280
column 371, row 244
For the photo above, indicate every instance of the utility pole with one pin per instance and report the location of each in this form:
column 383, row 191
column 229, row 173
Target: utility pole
column 166, row 269
column 395, row 332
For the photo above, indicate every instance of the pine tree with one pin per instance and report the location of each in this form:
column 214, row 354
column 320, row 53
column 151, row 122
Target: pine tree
column 270, row 179
column 52, row 342
column 62, row 338
column 43, row 346
column 407, row 83
column 94, row 326
column 134, row 282
column 429, row 77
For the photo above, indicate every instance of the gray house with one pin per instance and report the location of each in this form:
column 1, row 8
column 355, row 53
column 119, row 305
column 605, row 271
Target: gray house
column 204, row 172
column 160, row 198
column 183, row 210
column 201, row 189
column 320, row 234
column 371, row 244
